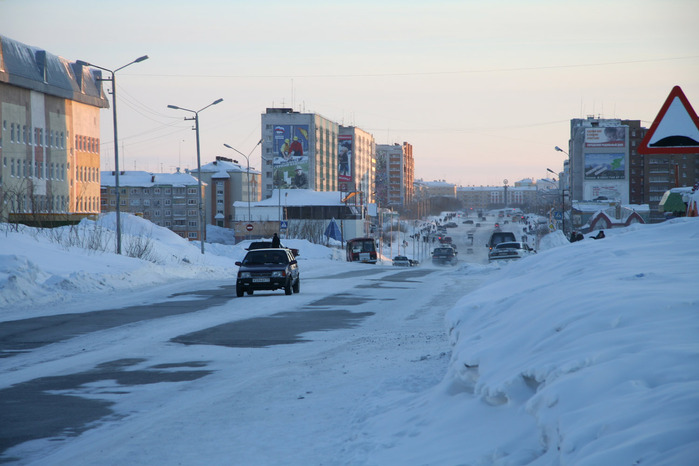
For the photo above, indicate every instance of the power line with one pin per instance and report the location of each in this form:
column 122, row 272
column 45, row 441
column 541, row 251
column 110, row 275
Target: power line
column 423, row 73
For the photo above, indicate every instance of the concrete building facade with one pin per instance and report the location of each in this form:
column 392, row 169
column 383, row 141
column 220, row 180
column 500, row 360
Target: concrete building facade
column 50, row 141
column 395, row 175
column 226, row 182
column 169, row 200
column 357, row 163
column 299, row 151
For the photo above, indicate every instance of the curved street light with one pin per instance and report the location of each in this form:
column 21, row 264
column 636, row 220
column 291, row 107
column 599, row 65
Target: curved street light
column 116, row 142
column 247, row 159
column 202, row 226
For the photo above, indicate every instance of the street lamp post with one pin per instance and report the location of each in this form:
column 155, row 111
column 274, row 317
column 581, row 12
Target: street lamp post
column 116, row 141
column 570, row 186
column 563, row 202
column 247, row 159
column 202, row 226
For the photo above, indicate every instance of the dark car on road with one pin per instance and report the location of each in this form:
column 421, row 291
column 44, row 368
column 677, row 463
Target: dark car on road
column 267, row 245
column 268, row 269
column 444, row 256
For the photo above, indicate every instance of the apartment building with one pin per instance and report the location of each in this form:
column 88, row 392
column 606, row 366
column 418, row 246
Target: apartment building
column 50, row 140
column 356, row 162
column 395, row 175
column 227, row 181
column 299, row 151
column 169, row 200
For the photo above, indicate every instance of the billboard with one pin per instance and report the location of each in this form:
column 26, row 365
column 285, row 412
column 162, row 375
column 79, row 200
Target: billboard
column 606, row 189
column 344, row 157
column 611, row 136
column 607, row 166
column 291, row 160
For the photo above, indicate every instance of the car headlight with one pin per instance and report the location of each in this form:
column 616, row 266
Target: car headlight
column 278, row 274
column 244, row 275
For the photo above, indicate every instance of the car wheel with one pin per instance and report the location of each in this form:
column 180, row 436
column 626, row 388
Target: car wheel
column 239, row 291
column 287, row 287
column 297, row 286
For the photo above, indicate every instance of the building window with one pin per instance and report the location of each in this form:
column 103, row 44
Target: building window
column 192, row 201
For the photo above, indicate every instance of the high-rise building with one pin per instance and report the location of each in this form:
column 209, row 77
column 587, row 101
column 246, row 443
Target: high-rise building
column 356, row 162
column 395, row 175
column 599, row 160
column 299, row 150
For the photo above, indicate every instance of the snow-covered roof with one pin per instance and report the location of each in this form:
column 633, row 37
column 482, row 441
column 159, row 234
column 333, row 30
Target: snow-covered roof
column 299, row 197
column 36, row 69
column 222, row 167
column 144, row 179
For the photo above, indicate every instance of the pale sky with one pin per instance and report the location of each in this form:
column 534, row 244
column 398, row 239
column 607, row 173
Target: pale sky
column 482, row 89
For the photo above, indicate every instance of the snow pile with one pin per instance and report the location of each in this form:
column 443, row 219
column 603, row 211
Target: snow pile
column 602, row 354
column 43, row 266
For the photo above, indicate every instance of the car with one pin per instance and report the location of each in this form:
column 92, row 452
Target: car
column 444, row 255
column 268, row 245
column 468, row 222
column 500, row 237
column 510, row 250
column 268, row 269
column 414, row 263
column 401, row 261
column 451, row 225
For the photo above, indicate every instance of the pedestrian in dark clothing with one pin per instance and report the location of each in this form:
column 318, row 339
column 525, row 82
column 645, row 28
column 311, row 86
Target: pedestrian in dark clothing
column 275, row 241
column 579, row 237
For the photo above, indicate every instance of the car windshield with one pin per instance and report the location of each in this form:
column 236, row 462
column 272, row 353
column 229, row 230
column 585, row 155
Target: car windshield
column 265, row 257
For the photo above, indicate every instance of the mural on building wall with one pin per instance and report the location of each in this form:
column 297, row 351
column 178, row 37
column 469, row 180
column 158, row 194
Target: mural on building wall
column 611, row 136
column 291, row 164
column 345, row 154
column 605, row 166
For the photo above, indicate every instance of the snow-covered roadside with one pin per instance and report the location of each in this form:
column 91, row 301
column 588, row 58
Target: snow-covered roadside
column 585, row 354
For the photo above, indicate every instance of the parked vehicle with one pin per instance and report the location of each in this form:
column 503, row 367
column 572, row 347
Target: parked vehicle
column 468, row 222
column 401, row 261
column 268, row 269
column 361, row 250
column 500, row 237
column 444, row 256
column 509, row 250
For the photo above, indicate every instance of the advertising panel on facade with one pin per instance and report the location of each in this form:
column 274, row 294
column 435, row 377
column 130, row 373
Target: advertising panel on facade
column 611, row 136
column 291, row 156
column 605, row 166
column 611, row 191
column 344, row 157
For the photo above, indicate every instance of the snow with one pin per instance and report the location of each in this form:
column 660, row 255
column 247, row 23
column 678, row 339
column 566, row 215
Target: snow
column 586, row 353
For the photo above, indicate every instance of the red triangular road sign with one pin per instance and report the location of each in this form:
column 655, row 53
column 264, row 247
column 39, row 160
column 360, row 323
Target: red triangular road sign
column 675, row 130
